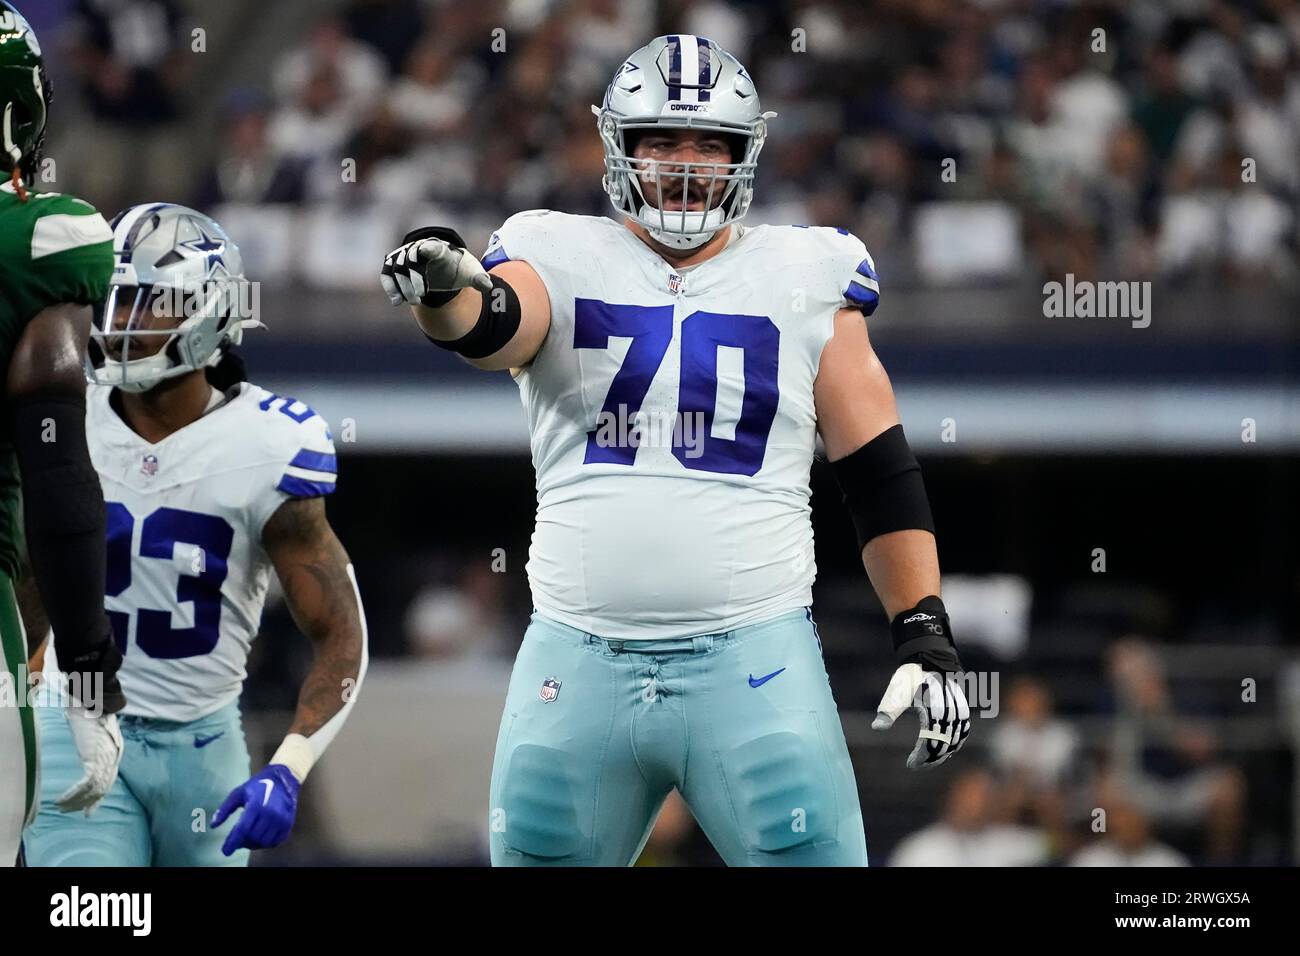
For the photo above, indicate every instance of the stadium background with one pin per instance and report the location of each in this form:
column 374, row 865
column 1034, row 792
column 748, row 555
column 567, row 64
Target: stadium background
column 1155, row 679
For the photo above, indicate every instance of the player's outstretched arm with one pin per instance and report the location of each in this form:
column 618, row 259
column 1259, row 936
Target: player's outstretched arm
column 858, row 420
column 494, row 320
column 63, row 508
column 321, row 590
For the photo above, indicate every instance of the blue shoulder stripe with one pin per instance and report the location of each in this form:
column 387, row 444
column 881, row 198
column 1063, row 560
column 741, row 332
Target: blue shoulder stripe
column 495, row 258
column 302, row 488
column 862, row 297
column 864, row 269
column 315, row 461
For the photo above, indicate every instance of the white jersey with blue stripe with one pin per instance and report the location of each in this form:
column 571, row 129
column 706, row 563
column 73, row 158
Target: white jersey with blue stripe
column 672, row 421
column 186, row 573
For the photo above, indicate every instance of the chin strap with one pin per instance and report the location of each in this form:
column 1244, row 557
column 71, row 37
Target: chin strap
column 16, row 178
column 14, row 153
column 677, row 241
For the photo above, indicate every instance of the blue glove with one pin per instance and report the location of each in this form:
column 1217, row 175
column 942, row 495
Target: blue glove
column 270, row 802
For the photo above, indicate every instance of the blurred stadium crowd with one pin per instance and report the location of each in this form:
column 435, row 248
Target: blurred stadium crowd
column 1116, row 153
column 1167, row 148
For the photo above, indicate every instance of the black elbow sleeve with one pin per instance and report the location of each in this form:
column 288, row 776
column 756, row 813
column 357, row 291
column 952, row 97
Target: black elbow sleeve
column 63, row 514
column 498, row 321
column 882, row 487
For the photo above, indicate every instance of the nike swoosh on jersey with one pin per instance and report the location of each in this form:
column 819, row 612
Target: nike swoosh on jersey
column 763, row 680
column 201, row 741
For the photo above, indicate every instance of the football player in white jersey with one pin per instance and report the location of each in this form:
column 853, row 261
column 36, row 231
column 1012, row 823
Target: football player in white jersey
column 207, row 492
column 676, row 369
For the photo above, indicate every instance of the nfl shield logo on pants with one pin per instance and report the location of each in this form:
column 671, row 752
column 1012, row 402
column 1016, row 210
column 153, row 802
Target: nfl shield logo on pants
column 550, row 690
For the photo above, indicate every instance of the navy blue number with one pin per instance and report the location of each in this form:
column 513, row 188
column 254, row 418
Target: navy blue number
column 758, row 336
column 286, row 407
column 210, row 538
column 117, row 568
column 651, row 329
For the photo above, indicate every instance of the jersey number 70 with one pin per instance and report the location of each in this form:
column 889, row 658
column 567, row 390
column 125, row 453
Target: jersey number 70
column 650, row 327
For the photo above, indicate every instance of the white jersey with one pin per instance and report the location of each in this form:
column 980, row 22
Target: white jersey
column 186, row 571
column 672, row 421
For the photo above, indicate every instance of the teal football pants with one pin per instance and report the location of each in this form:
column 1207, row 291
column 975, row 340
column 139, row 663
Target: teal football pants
column 171, row 780
column 597, row 732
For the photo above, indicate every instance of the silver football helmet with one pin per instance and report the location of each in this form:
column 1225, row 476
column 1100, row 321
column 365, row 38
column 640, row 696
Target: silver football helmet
column 678, row 82
column 177, row 293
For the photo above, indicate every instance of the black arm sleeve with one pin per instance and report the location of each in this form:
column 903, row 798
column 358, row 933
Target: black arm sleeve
column 498, row 321
column 63, row 510
column 882, row 487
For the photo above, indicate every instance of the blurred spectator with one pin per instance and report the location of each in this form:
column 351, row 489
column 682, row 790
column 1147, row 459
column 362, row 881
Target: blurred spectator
column 969, row 833
column 1165, row 760
column 1128, row 842
column 1029, row 742
column 356, row 74
column 1121, row 203
column 1036, row 755
column 316, row 121
column 128, row 56
column 1164, row 105
column 1225, row 229
column 433, row 94
column 391, row 27
column 460, row 621
column 597, row 34
column 1085, row 101
column 246, row 169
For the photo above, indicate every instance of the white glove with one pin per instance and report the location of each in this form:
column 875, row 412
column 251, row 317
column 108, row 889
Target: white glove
column 430, row 265
column 941, row 705
column 99, row 744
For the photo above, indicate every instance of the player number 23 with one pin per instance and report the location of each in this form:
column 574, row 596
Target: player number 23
column 651, row 330
column 205, row 542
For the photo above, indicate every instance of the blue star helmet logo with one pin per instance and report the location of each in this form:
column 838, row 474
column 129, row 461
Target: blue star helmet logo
column 214, row 248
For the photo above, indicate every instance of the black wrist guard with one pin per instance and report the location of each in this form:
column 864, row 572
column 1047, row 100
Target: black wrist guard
column 435, row 298
column 104, row 659
column 923, row 636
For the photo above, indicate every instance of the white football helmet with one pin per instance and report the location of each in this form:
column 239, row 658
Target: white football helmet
column 678, row 82
column 177, row 293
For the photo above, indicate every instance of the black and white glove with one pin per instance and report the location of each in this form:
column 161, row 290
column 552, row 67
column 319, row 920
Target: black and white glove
column 430, row 267
column 926, row 681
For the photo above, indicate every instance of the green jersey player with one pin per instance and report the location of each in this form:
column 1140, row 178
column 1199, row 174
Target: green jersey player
column 55, row 260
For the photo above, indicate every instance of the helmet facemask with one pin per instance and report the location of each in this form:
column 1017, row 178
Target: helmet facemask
column 638, row 187
column 151, row 333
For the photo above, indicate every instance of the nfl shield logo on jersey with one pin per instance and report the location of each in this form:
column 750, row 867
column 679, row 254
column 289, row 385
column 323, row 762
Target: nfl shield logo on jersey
column 550, row 689
column 674, row 283
column 149, row 466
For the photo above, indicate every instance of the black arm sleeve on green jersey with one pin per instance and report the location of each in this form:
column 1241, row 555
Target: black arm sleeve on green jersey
column 63, row 505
